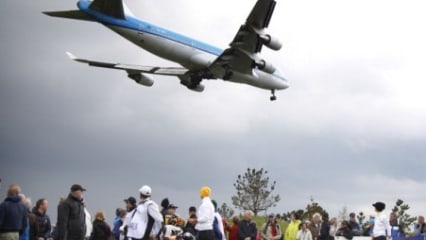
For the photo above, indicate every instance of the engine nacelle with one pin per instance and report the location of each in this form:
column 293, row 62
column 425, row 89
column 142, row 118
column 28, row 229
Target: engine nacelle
column 271, row 42
column 142, row 79
column 265, row 66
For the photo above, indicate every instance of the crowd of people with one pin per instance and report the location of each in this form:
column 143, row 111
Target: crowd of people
column 144, row 220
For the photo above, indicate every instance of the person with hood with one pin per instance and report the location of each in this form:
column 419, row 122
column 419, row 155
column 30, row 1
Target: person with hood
column 71, row 222
column 13, row 215
column 101, row 230
column 381, row 229
column 205, row 215
column 146, row 220
column 43, row 220
column 293, row 227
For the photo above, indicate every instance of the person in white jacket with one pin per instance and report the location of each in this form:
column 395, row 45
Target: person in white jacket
column 146, row 220
column 205, row 216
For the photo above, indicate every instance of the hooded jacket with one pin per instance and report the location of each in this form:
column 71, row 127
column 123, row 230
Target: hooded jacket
column 13, row 215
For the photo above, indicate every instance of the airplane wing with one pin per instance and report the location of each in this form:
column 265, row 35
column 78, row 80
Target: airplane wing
column 132, row 69
column 242, row 55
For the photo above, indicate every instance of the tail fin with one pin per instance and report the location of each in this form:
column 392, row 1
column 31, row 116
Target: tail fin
column 113, row 8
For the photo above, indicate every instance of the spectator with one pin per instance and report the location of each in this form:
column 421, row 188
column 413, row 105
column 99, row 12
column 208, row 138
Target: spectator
column 314, row 226
column 43, row 220
column 71, row 223
column 233, row 230
column 369, row 228
column 192, row 220
column 324, row 233
column 345, row 231
column 381, row 228
column 13, row 216
column 88, row 221
column 271, row 230
column 31, row 231
column 165, row 207
column 218, row 224
column 171, row 218
column 130, row 208
column 293, row 227
column 146, row 219
column 205, row 216
column 333, row 227
column 101, row 230
column 246, row 228
column 120, row 214
column 303, row 233
column 397, row 230
column 420, row 228
column 356, row 229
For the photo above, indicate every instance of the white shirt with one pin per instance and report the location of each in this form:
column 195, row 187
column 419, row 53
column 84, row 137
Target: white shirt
column 205, row 215
column 381, row 226
column 304, row 235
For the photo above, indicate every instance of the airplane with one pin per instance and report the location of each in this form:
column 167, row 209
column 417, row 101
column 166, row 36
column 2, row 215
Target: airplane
column 240, row 62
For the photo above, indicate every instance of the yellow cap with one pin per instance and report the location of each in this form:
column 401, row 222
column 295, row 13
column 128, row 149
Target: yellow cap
column 205, row 192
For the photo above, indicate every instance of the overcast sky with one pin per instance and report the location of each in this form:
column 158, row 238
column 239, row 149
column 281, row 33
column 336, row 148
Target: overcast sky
column 350, row 130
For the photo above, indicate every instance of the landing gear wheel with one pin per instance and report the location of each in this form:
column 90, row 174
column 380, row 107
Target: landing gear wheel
column 273, row 97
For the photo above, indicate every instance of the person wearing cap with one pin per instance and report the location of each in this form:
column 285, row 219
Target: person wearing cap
column 146, row 220
column 71, row 222
column 130, row 207
column 271, row 230
column 382, row 228
column 171, row 218
column 205, row 216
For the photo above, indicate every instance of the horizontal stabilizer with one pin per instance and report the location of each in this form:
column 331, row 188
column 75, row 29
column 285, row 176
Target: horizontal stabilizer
column 71, row 14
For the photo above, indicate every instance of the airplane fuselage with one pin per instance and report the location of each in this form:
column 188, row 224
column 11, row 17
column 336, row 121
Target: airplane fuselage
column 190, row 53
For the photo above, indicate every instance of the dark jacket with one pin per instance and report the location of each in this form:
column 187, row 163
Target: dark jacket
column 43, row 223
column 246, row 229
column 71, row 219
column 101, row 231
column 324, row 233
column 345, row 232
column 13, row 215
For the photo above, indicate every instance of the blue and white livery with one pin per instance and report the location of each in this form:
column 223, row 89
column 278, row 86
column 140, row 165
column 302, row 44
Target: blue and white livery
column 240, row 63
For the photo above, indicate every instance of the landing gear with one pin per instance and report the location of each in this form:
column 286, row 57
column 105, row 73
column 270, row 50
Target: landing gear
column 273, row 97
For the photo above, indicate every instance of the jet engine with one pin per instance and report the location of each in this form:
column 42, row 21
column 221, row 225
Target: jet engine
column 142, row 79
column 265, row 66
column 271, row 42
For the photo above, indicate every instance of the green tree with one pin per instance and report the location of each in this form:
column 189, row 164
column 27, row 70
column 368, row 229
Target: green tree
column 254, row 191
column 225, row 211
column 404, row 219
column 312, row 208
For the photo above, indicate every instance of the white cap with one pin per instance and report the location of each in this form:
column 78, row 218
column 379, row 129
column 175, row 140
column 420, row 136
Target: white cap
column 145, row 190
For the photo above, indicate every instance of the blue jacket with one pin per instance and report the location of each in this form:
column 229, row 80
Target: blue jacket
column 13, row 215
